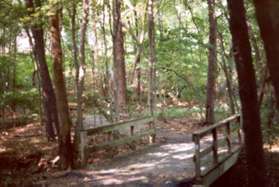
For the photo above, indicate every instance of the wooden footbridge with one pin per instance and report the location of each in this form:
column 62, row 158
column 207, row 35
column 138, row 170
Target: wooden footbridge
column 196, row 159
column 183, row 159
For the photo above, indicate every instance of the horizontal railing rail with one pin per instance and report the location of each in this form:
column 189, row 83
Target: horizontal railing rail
column 135, row 129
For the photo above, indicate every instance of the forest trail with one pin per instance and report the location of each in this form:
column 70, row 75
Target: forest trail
column 30, row 158
column 166, row 163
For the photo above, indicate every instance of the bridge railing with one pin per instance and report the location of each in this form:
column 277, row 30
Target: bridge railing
column 116, row 134
column 215, row 144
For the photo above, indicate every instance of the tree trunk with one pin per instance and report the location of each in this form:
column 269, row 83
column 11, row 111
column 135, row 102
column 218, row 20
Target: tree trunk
column 14, row 55
column 138, row 73
column 32, row 55
column 82, row 68
column 248, row 93
column 263, row 84
column 267, row 15
column 118, row 60
column 74, row 40
column 212, row 64
column 81, row 74
column 95, row 49
column 227, row 74
column 255, row 48
column 138, row 45
column 105, row 53
column 49, row 101
column 152, row 56
column 65, row 145
column 108, row 77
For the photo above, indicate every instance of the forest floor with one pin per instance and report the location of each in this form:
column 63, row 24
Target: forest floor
column 27, row 157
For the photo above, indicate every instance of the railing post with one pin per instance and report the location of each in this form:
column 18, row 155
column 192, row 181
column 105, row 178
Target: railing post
column 239, row 121
column 132, row 130
column 197, row 158
column 215, row 145
column 109, row 136
column 83, row 145
column 152, row 136
column 228, row 136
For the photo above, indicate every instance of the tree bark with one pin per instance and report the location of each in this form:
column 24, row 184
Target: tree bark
column 74, row 40
column 95, row 49
column 49, row 101
column 32, row 55
column 248, row 93
column 138, row 74
column 139, row 50
column 267, row 15
column 212, row 64
column 138, row 46
column 13, row 54
column 105, row 52
column 82, row 70
column 227, row 74
column 152, row 56
column 108, row 76
column 65, row 144
column 118, row 59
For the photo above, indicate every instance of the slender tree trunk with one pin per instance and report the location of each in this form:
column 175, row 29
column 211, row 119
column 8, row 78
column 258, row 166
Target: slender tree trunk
column 227, row 75
column 138, row 73
column 248, row 93
column 65, row 144
column 49, row 101
column 229, row 86
column 139, row 38
column 263, row 85
column 212, row 64
column 109, row 89
column 272, row 110
column 81, row 74
column 255, row 48
column 267, row 15
column 94, row 58
column 82, row 68
column 14, row 71
column 74, row 40
column 105, row 48
column 95, row 49
column 152, row 56
column 160, row 22
column 119, row 60
column 32, row 55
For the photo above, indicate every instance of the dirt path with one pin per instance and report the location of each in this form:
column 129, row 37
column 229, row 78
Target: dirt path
column 26, row 155
column 168, row 161
column 26, row 158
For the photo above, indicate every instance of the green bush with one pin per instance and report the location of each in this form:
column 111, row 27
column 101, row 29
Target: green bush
column 28, row 99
